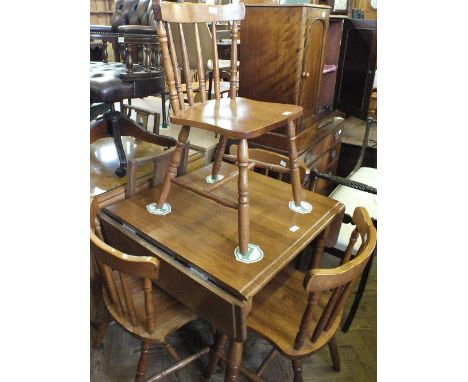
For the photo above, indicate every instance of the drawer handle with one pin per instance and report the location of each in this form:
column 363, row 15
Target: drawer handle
column 333, row 154
column 305, row 75
column 337, row 134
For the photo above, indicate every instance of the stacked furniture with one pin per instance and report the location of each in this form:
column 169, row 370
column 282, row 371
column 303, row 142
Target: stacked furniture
column 301, row 55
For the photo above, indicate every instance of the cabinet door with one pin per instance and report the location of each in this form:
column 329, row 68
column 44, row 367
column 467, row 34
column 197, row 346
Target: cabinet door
column 316, row 27
column 356, row 69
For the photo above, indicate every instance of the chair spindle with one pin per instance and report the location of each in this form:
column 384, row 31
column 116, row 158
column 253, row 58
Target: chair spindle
column 233, row 82
column 186, row 65
column 201, row 70
column 216, row 81
column 128, row 298
column 148, row 290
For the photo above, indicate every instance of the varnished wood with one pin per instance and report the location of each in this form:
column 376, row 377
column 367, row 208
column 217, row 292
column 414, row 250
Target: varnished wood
column 269, row 227
column 243, row 191
column 219, row 156
column 174, row 165
column 237, row 118
column 295, row 176
column 234, row 361
column 313, row 303
column 132, row 301
column 201, row 13
column 216, row 351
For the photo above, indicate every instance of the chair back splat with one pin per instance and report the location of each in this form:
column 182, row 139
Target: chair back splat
column 339, row 281
column 115, row 267
column 184, row 16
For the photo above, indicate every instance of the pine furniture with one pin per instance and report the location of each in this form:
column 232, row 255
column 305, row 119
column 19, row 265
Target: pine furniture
column 235, row 117
column 138, row 306
column 194, row 244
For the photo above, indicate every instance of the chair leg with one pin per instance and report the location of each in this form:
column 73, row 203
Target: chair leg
column 243, row 189
column 101, row 331
column 335, row 356
column 142, row 362
column 218, row 157
column 359, row 293
column 114, row 122
column 216, row 351
column 210, row 83
column 295, row 176
column 297, row 370
column 234, row 361
column 175, row 161
column 163, row 111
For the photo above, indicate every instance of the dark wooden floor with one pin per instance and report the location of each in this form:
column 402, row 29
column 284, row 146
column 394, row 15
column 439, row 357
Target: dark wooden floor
column 117, row 360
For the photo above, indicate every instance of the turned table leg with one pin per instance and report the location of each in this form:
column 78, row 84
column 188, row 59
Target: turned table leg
column 175, row 161
column 234, row 361
column 243, row 188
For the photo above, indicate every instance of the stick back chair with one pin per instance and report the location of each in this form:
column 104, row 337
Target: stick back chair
column 236, row 118
column 359, row 188
column 300, row 314
column 138, row 306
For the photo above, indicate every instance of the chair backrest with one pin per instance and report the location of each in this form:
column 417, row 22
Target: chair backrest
column 114, row 268
column 338, row 281
column 170, row 14
column 272, row 164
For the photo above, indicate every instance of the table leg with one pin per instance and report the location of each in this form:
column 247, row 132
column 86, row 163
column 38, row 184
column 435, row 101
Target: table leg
column 318, row 250
column 234, row 361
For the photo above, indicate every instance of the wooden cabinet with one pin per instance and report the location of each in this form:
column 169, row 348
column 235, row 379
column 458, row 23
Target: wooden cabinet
column 294, row 54
column 282, row 60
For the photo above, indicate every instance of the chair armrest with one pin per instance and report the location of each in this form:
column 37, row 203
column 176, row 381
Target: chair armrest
column 344, row 182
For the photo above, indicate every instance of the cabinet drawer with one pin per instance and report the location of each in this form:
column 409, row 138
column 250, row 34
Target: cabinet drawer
column 318, row 149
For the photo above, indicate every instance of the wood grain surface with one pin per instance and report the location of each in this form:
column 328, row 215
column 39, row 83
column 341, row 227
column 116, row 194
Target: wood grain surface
column 206, row 232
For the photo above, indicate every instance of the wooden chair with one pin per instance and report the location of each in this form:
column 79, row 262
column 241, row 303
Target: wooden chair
column 234, row 117
column 138, row 306
column 300, row 315
column 270, row 163
column 359, row 188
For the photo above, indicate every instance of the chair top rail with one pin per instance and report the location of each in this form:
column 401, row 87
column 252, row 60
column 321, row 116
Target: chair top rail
column 201, row 13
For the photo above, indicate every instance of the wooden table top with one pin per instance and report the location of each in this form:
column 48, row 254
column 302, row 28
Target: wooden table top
column 203, row 234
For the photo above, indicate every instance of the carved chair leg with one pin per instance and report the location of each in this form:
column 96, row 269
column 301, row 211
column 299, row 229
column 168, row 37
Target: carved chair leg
column 297, row 370
column 218, row 157
column 114, row 122
column 234, row 361
column 295, row 176
column 175, row 161
column 216, row 351
column 359, row 293
column 335, row 356
column 243, row 189
column 142, row 362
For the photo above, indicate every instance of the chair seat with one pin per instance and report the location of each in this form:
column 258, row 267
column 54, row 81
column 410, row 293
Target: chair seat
column 107, row 86
column 169, row 313
column 239, row 118
column 277, row 311
column 352, row 198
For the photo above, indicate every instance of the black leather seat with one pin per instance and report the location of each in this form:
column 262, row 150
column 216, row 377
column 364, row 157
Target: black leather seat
column 106, row 84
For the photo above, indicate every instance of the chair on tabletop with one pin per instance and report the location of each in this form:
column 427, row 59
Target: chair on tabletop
column 358, row 189
column 133, row 301
column 300, row 314
column 235, row 117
